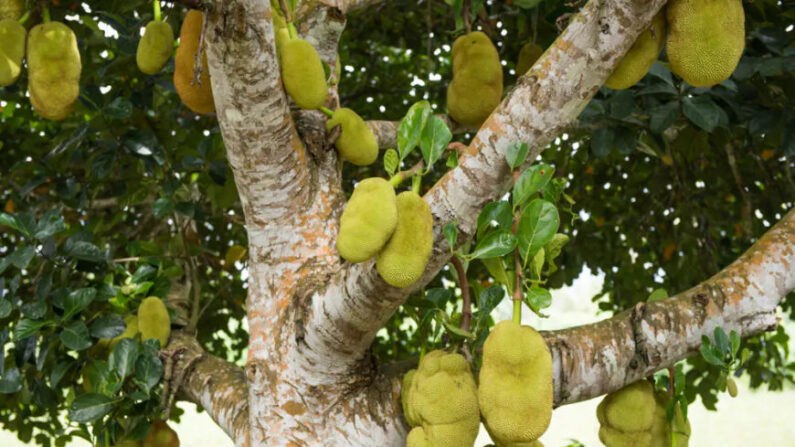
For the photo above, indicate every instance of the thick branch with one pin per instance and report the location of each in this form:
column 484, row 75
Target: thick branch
column 602, row 357
column 216, row 385
column 546, row 100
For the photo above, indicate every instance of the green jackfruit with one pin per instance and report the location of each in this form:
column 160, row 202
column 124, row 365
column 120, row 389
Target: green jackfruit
column 155, row 47
column 53, row 70
column 442, row 402
column 11, row 9
column 706, row 39
column 731, row 385
column 403, row 259
column 282, row 36
column 627, row 416
column 662, row 431
column 356, row 143
column 528, row 56
column 515, row 391
column 639, row 59
column 153, row 320
column 405, row 389
column 368, row 221
column 12, row 50
column 476, row 88
column 160, row 435
column 131, row 331
column 198, row 96
column 303, row 75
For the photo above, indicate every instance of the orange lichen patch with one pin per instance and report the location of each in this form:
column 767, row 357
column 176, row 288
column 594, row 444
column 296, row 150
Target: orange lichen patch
column 293, row 408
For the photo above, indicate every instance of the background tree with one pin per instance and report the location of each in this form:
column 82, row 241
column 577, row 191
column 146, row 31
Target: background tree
column 134, row 195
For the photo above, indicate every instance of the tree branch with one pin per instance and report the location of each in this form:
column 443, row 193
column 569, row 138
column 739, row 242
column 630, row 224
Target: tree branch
column 546, row 100
column 216, row 385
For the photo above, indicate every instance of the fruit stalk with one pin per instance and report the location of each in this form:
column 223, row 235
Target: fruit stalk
column 398, row 178
column 158, row 15
column 463, row 282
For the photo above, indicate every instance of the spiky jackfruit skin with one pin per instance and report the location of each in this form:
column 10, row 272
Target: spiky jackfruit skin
column 706, row 39
column 403, row 259
column 476, row 88
column 303, row 75
column 356, row 143
column 282, row 36
column 405, row 390
column 515, row 386
column 442, row 402
column 528, row 56
column 153, row 320
column 368, row 221
column 155, row 47
column 160, row 435
column 661, row 430
column 627, row 416
column 199, row 96
column 53, row 70
column 11, row 9
column 639, row 59
column 12, row 50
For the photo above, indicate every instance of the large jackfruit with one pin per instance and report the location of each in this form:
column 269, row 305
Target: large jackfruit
column 53, row 70
column 706, row 39
column 155, row 47
column 356, row 143
column 528, row 56
column 303, row 74
column 368, row 221
column 12, row 50
column 639, row 59
column 515, row 386
column 403, row 259
column 441, row 402
column 662, row 431
column 160, row 435
column 11, row 9
column 476, row 88
column 626, row 416
column 199, row 96
column 153, row 320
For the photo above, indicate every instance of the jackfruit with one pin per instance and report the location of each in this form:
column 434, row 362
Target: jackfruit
column 405, row 390
column 199, row 96
column 155, row 47
column 442, row 403
column 356, row 143
column 368, row 221
column 706, row 39
column 515, row 386
column 303, row 75
column 731, row 385
column 12, row 50
column 160, row 435
column 11, row 9
column 662, row 431
column 639, row 59
column 403, row 259
column 528, row 56
column 476, row 88
column 131, row 331
column 627, row 416
column 53, row 70
column 153, row 320
column 282, row 36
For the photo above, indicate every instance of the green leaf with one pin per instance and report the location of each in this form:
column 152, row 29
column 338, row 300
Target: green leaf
column 496, row 268
column 50, row 224
column 602, row 142
column 60, row 370
column 24, row 223
column 75, row 336
column 391, row 162
column 411, row 127
column 527, row 4
column 451, row 234
column 488, row 300
column 499, row 212
column 735, row 339
column 494, row 245
column 78, row 300
column 118, row 109
column 530, row 182
column 107, row 326
column 537, row 298
column 11, row 381
column 122, row 358
column 722, row 341
column 89, row 407
column 433, row 141
column 702, row 112
column 711, row 354
column 162, row 207
column 657, row 295
column 537, row 226
column 27, row 327
column 82, row 250
column 516, row 153
column 5, row 308
column 452, row 328
column 148, row 371
column 22, row 256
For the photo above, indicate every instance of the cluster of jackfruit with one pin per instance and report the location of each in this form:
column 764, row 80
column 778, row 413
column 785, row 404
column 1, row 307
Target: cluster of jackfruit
column 196, row 96
column 356, row 142
column 476, row 88
column 397, row 230
column 515, row 391
column 53, row 70
column 635, row 416
column 155, row 47
column 528, row 55
column 440, row 402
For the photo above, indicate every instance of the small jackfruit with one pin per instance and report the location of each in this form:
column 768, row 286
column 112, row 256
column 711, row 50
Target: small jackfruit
column 661, row 431
column 153, row 320
column 441, row 402
column 706, row 39
column 368, row 221
column 627, row 416
column 731, row 385
column 155, row 47
column 639, row 59
column 11, row 9
column 12, row 50
column 476, row 88
column 528, row 55
column 160, row 435
column 402, row 261
column 515, row 387
column 303, row 75
column 356, row 143
column 199, row 96
column 53, row 70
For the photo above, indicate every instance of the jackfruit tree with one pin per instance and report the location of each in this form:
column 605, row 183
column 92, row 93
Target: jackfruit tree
column 344, row 222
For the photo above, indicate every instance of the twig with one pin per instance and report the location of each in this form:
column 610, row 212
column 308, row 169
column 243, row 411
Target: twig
column 746, row 207
column 467, row 24
column 466, row 310
column 398, row 178
column 131, row 259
